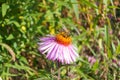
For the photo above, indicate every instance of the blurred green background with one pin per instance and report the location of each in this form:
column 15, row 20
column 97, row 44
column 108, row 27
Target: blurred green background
column 94, row 26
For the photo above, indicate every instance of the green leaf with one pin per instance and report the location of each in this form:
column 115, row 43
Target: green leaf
column 14, row 22
column 10, row 37
column 21, row 67
column 88, row 3
column 93, row 52
column 5, row 7
column 23, row 59
column 82, row 74
column 75, row 7
column 1, row 38
column 107, row 40
column 95, row 66
column 118, row 49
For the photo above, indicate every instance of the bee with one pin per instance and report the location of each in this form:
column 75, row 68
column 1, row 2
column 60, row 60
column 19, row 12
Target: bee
column 65, row 32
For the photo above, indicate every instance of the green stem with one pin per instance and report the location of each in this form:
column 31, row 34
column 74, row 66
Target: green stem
column 58, row 78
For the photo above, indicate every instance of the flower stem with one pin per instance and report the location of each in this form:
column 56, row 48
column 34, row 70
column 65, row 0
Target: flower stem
column 58, row 78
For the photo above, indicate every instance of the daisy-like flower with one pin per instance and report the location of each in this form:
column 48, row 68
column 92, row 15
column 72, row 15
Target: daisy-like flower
column 58, row 48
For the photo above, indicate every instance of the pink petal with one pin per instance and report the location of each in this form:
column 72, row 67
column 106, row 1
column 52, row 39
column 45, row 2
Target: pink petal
column 57, row 52
column 66, row 55
column 60, row 54
column 47, row 38
column 73, row 57
column 52, row 51
column 45, row 47
column 43, row 44
column 73, row 51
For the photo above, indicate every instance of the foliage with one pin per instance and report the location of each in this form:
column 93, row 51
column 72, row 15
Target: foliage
column 93, row 24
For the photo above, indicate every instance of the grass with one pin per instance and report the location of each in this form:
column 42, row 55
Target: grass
column 94, row 26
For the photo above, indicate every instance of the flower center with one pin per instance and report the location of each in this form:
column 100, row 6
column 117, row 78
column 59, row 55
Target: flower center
column 63, row 38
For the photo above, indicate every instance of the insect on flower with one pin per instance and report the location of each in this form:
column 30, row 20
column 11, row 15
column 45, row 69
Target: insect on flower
column 59, row 48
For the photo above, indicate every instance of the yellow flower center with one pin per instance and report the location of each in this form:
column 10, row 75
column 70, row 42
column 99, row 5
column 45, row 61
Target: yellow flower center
column 63, row 38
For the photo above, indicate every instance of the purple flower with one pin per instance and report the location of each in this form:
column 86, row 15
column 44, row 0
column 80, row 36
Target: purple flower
column 116, row 62
column 91, row 60
column 58, row 48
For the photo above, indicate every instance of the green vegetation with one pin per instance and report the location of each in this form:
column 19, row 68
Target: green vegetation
column 93, row 24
